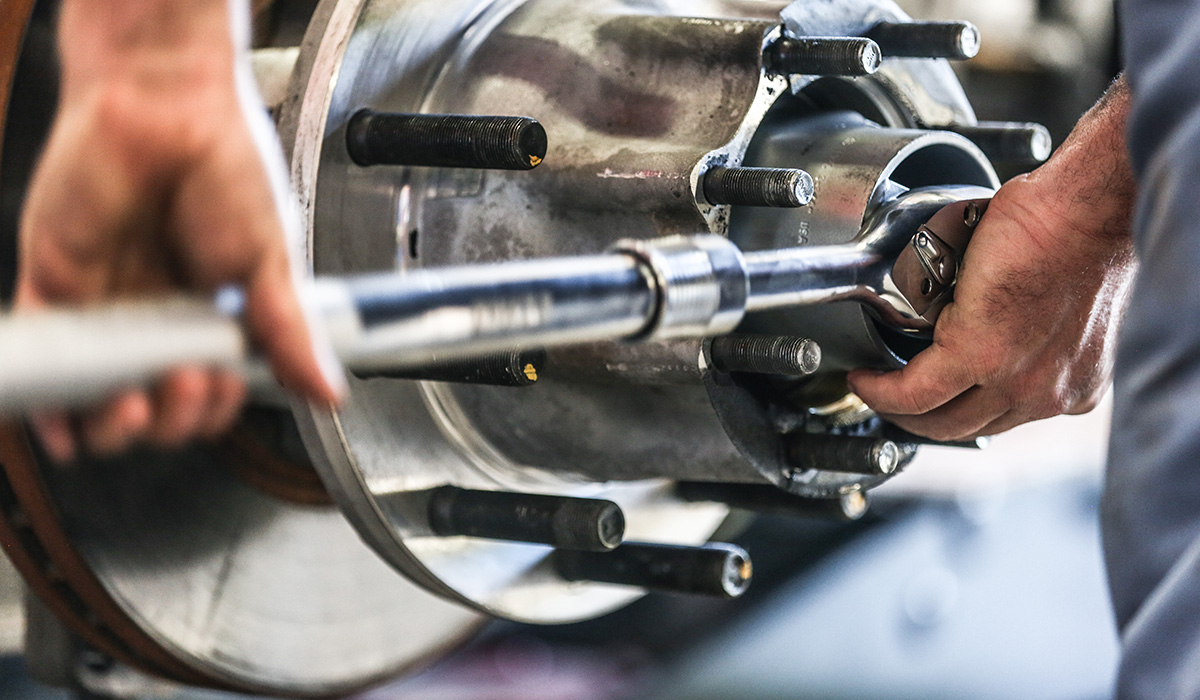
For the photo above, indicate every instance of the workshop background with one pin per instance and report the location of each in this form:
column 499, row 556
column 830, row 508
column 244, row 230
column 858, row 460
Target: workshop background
column 977, row 575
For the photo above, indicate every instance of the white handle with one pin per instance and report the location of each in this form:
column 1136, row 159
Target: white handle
column 67, row 358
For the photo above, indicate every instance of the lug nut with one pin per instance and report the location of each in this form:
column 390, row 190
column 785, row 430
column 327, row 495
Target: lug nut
column 765, row 354
column 1009, row 142
column 820, row 55
column 758, row 187
column 445, row 141
column 715, row 569
column 768, row 499
column 837, row 453
column 559, row 521
column 956, row 41
column 516, row 368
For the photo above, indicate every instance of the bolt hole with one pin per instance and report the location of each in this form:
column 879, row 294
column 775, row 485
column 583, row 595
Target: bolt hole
column 412, row 244
column 926, row 286
column 971, row 215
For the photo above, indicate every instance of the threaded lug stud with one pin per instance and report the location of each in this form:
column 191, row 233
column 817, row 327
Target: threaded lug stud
column 957, row 41
column 559, row 521
column 715, row 569
column 766, row 354
column 515, row 368
column 445, row 141
column 1009, row 142
column 758, row 187
column 820, row 55
column 837, row 453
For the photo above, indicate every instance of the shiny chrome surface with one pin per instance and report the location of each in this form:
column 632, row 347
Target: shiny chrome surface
column 700, row 283
column 407, row 320
column 862, row 270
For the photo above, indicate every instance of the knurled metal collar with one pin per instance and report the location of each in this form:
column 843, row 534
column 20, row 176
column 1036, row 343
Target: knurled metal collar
column 701, row 280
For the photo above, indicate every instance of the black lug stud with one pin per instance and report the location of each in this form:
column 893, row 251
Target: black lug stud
column 837, row 453
column 820, row 55
column 515, row 368
column 559, row 521
column 766, row 354
column 1009, row 142
column 758, row 187
column 715, row 569
column 957, row 41
column 445, row 140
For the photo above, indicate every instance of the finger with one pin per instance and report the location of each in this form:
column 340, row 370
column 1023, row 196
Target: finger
column 181, row 405
column 228, row 393
column 55, row 434
column 963, row 417
column 119, row 424
column 303, row 362
column 933, row 378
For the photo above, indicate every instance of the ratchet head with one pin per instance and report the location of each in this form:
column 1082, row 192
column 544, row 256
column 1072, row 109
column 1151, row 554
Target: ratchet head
column 920, row 238
column 927, row 269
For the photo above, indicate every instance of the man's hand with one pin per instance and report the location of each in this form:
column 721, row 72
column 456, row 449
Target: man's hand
column 162, row 174
column 1032, row 329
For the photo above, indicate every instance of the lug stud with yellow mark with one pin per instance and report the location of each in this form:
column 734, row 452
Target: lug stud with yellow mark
column 445, row 140
column 516, row 368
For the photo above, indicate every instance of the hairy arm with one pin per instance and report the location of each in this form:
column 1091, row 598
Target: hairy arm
column 1032, row 330
column 161, row 174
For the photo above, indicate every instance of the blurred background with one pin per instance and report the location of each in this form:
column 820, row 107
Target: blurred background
column 977, row 574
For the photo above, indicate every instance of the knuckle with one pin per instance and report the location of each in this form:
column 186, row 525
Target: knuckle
column 912, row 402
column 992, row 368
column 1088, row 401
column 149, row 132
column 1035, row 396
column 1053, row 402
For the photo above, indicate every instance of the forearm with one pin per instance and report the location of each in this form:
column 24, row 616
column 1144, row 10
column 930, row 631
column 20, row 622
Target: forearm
column 1087, row 187
column 153, row 45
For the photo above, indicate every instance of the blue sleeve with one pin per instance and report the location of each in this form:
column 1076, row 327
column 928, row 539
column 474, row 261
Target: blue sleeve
column 1151, row 509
